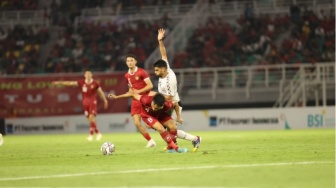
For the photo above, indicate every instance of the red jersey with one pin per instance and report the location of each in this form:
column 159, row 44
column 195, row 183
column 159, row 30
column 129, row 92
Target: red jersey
column 147, row 108
column 89, row 91
column 136, row 80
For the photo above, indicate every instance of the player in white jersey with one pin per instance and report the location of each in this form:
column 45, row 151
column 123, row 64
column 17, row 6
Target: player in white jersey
column 168, row 87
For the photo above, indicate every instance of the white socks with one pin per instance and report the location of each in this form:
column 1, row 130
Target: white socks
column 186, row 136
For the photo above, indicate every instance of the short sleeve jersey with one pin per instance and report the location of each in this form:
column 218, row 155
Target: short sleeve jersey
column 147, row 107
column 137, row 79
column 168, row 85
column 89, row 91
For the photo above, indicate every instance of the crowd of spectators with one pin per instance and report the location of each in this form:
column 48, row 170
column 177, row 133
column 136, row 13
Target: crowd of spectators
column 102, row 46
column 20, row 49
column 303, row 36
column 300, row 37
column 10, row 5
column 64, row 12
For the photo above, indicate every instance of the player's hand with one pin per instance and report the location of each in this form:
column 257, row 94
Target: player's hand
column 54, row 83
column 180, row 120
column 111, row 96
column 161, row 33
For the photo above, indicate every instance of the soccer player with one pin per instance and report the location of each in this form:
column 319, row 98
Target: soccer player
column 140, row 83
column 167, row 86
column 155, row 112
column 89, row 88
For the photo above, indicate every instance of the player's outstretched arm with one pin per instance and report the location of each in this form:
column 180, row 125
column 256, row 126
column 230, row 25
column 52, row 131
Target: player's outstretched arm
column 163, row 52
column 125, row 95
column 66, row 83
column 103, row 97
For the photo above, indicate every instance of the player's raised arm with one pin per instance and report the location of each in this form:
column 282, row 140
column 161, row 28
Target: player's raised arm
column 163, row 52
column 66, row 83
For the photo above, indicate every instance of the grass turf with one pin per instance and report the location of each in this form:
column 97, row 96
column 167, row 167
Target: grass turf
column 286, row 158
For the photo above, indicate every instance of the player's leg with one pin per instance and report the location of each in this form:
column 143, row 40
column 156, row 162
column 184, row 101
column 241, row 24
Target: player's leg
column 143, row 131
column 169, row 123
column 195, row 140
column 86, row 109
column 135, row 111
column 92, row 119
column 155, row 124
column 93, row 127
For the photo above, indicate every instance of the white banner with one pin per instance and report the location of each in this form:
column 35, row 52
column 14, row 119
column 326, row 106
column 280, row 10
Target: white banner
column 254, row 119
column 121, row 122
column 195, row 120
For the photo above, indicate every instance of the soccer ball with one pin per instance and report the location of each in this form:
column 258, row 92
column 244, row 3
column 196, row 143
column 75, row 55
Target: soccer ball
column 107, row 148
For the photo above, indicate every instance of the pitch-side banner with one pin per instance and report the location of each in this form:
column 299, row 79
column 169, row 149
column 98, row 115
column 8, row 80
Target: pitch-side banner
column 36, row 96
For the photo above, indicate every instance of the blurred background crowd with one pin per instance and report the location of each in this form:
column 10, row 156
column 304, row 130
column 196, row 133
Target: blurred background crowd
column 61, row 42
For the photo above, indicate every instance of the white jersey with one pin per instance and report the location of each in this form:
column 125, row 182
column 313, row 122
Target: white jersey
column 168, row 85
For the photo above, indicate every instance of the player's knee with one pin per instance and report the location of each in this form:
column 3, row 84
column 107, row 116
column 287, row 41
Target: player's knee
column 171, row 126
column 160, row 129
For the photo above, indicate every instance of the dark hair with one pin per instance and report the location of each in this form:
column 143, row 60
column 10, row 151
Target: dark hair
column 131, row 55
column 160, row 63
column 159, row 99
column 85, row 69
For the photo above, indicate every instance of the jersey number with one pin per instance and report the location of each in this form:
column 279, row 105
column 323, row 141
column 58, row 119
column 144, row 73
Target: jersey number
column 150, row 120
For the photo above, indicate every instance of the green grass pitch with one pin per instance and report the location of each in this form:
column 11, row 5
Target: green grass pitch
column 282, row 158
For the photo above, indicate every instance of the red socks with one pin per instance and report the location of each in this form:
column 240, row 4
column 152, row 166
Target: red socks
column 93, row 128
column 147, row 136
column 173, row 135
column 168, row 139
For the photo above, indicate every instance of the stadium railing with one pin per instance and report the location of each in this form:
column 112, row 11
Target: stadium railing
column 24, row 17
column 282, row 84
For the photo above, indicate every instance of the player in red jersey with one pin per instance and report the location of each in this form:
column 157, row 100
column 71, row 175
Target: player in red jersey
column 155, row 112
column 89, row 89
column 140, row 83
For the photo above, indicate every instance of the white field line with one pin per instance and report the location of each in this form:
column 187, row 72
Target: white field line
column 165, row 169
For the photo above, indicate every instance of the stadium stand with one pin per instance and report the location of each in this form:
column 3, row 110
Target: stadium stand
column 252, row 42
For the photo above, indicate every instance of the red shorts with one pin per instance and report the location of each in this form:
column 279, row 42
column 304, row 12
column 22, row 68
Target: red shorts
column 150, row 120
column 90, row 109
column 136, row 107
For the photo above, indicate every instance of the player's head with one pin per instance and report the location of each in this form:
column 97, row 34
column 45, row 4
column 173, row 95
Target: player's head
column 88, row 74
column 131, row 60
column 160, row 68
column 158, row 102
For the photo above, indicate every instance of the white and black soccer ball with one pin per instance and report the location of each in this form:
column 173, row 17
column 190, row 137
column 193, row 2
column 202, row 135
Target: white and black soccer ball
column 107, row 148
